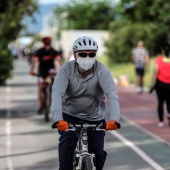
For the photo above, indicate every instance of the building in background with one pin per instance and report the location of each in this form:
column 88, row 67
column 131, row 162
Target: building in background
column 69, row 36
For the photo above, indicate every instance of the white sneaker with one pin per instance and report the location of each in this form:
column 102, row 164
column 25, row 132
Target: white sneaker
column 168, row 119
column 160, row 124
column 139, row 90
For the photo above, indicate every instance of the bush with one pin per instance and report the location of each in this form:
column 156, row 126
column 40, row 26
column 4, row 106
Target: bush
column 11, row 25
column 6, row 64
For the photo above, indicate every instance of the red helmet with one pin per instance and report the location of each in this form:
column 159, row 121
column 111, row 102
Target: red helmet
column 46, row 40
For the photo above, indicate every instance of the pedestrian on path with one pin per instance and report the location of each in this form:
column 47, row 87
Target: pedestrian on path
column 140, row 58
column 161, row 82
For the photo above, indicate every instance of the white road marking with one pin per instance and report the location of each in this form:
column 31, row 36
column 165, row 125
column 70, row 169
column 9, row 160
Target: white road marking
column 144, row 130
column 142, row 154
column 8, row 129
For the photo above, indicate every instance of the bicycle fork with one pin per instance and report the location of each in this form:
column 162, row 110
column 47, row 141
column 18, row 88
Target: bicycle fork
column 79, row 160
column 82, row 151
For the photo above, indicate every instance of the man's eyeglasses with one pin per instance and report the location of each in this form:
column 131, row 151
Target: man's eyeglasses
column 92, row 54
column 47, row 44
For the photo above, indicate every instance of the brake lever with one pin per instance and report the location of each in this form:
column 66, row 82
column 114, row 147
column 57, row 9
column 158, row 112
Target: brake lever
column 98, row 129
column 72, row 129
column 53, row 126
column 118, row 125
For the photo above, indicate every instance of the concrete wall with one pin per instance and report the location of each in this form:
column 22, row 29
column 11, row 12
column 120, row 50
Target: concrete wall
column 69, row 36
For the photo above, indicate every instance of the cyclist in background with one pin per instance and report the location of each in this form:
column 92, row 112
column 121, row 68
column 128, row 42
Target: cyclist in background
column 78, row 95
column 45, row 57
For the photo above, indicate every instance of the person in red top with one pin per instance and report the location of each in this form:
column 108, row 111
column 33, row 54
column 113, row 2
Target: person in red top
column 161, row 79
column 45, row 57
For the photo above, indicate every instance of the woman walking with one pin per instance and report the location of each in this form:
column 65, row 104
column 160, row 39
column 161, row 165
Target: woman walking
column 161, row 80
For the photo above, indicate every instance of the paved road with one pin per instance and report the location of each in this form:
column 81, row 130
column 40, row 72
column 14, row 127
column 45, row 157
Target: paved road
column 28, row 143
column 142, row 109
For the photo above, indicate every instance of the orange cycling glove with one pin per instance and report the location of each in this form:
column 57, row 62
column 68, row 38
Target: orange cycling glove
column 111, row 125
column 32, row 73
column 62, row 125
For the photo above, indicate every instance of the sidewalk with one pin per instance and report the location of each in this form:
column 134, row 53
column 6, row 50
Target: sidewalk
column 142, row 109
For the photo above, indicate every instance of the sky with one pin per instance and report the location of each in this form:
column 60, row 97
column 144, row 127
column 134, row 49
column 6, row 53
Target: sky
column 59, row 1
column 51, row 1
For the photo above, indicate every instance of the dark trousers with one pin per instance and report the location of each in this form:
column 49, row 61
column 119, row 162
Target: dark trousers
column 68, row 141
column 163, row 95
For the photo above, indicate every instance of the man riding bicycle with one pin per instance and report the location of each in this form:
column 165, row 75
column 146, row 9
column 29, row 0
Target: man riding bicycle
column 78, row 94
column 45, row 57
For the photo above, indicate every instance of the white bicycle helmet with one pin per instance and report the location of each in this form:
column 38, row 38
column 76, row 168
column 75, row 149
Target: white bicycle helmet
column 85, row 43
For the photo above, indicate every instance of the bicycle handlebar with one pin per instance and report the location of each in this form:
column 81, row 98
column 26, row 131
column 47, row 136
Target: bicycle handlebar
column 97, row 127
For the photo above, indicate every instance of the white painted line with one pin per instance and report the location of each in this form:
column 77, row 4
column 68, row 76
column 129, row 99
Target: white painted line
column 8, row 129
column 144, row 130
column 142, row 154
column 8, row 145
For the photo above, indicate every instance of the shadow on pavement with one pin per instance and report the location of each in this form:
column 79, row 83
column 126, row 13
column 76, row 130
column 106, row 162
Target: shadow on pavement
column 19, row 85
column 20, row 73
column 20, row 109
column 28, row 153
column 17, row 113
column 51, row 164
column 38, row 132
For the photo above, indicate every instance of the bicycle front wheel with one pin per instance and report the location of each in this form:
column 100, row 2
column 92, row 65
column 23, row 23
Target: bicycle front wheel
column 87, row 164
column 46, row 116
column 47, row 108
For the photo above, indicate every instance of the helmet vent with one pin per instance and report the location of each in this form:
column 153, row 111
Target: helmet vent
column 84, row 42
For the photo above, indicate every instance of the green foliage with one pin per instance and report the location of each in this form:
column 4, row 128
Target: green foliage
column 85, row 14
column 138, row 20
column 6, row 65
column 127, row 69
column 148, row 11
column 124, row 37
column 11, row 14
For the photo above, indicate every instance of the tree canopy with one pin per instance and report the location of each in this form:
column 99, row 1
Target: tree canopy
column 11, row 15
column 85, row 14
column 138, row 20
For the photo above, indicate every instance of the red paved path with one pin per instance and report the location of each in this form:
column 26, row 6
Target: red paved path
column 141, row 108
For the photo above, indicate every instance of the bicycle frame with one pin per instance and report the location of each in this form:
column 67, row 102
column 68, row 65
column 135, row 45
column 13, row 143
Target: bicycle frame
column 81, row 150
column 46, row 92
column 83, row 160
column 47, row 89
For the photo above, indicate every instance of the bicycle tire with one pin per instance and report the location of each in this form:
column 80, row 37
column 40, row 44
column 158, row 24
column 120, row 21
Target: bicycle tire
column 46, row 116
column 87, row 164
column 47, row 105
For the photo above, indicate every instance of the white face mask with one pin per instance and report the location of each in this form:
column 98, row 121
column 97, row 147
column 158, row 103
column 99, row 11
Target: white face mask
column 86, row 63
